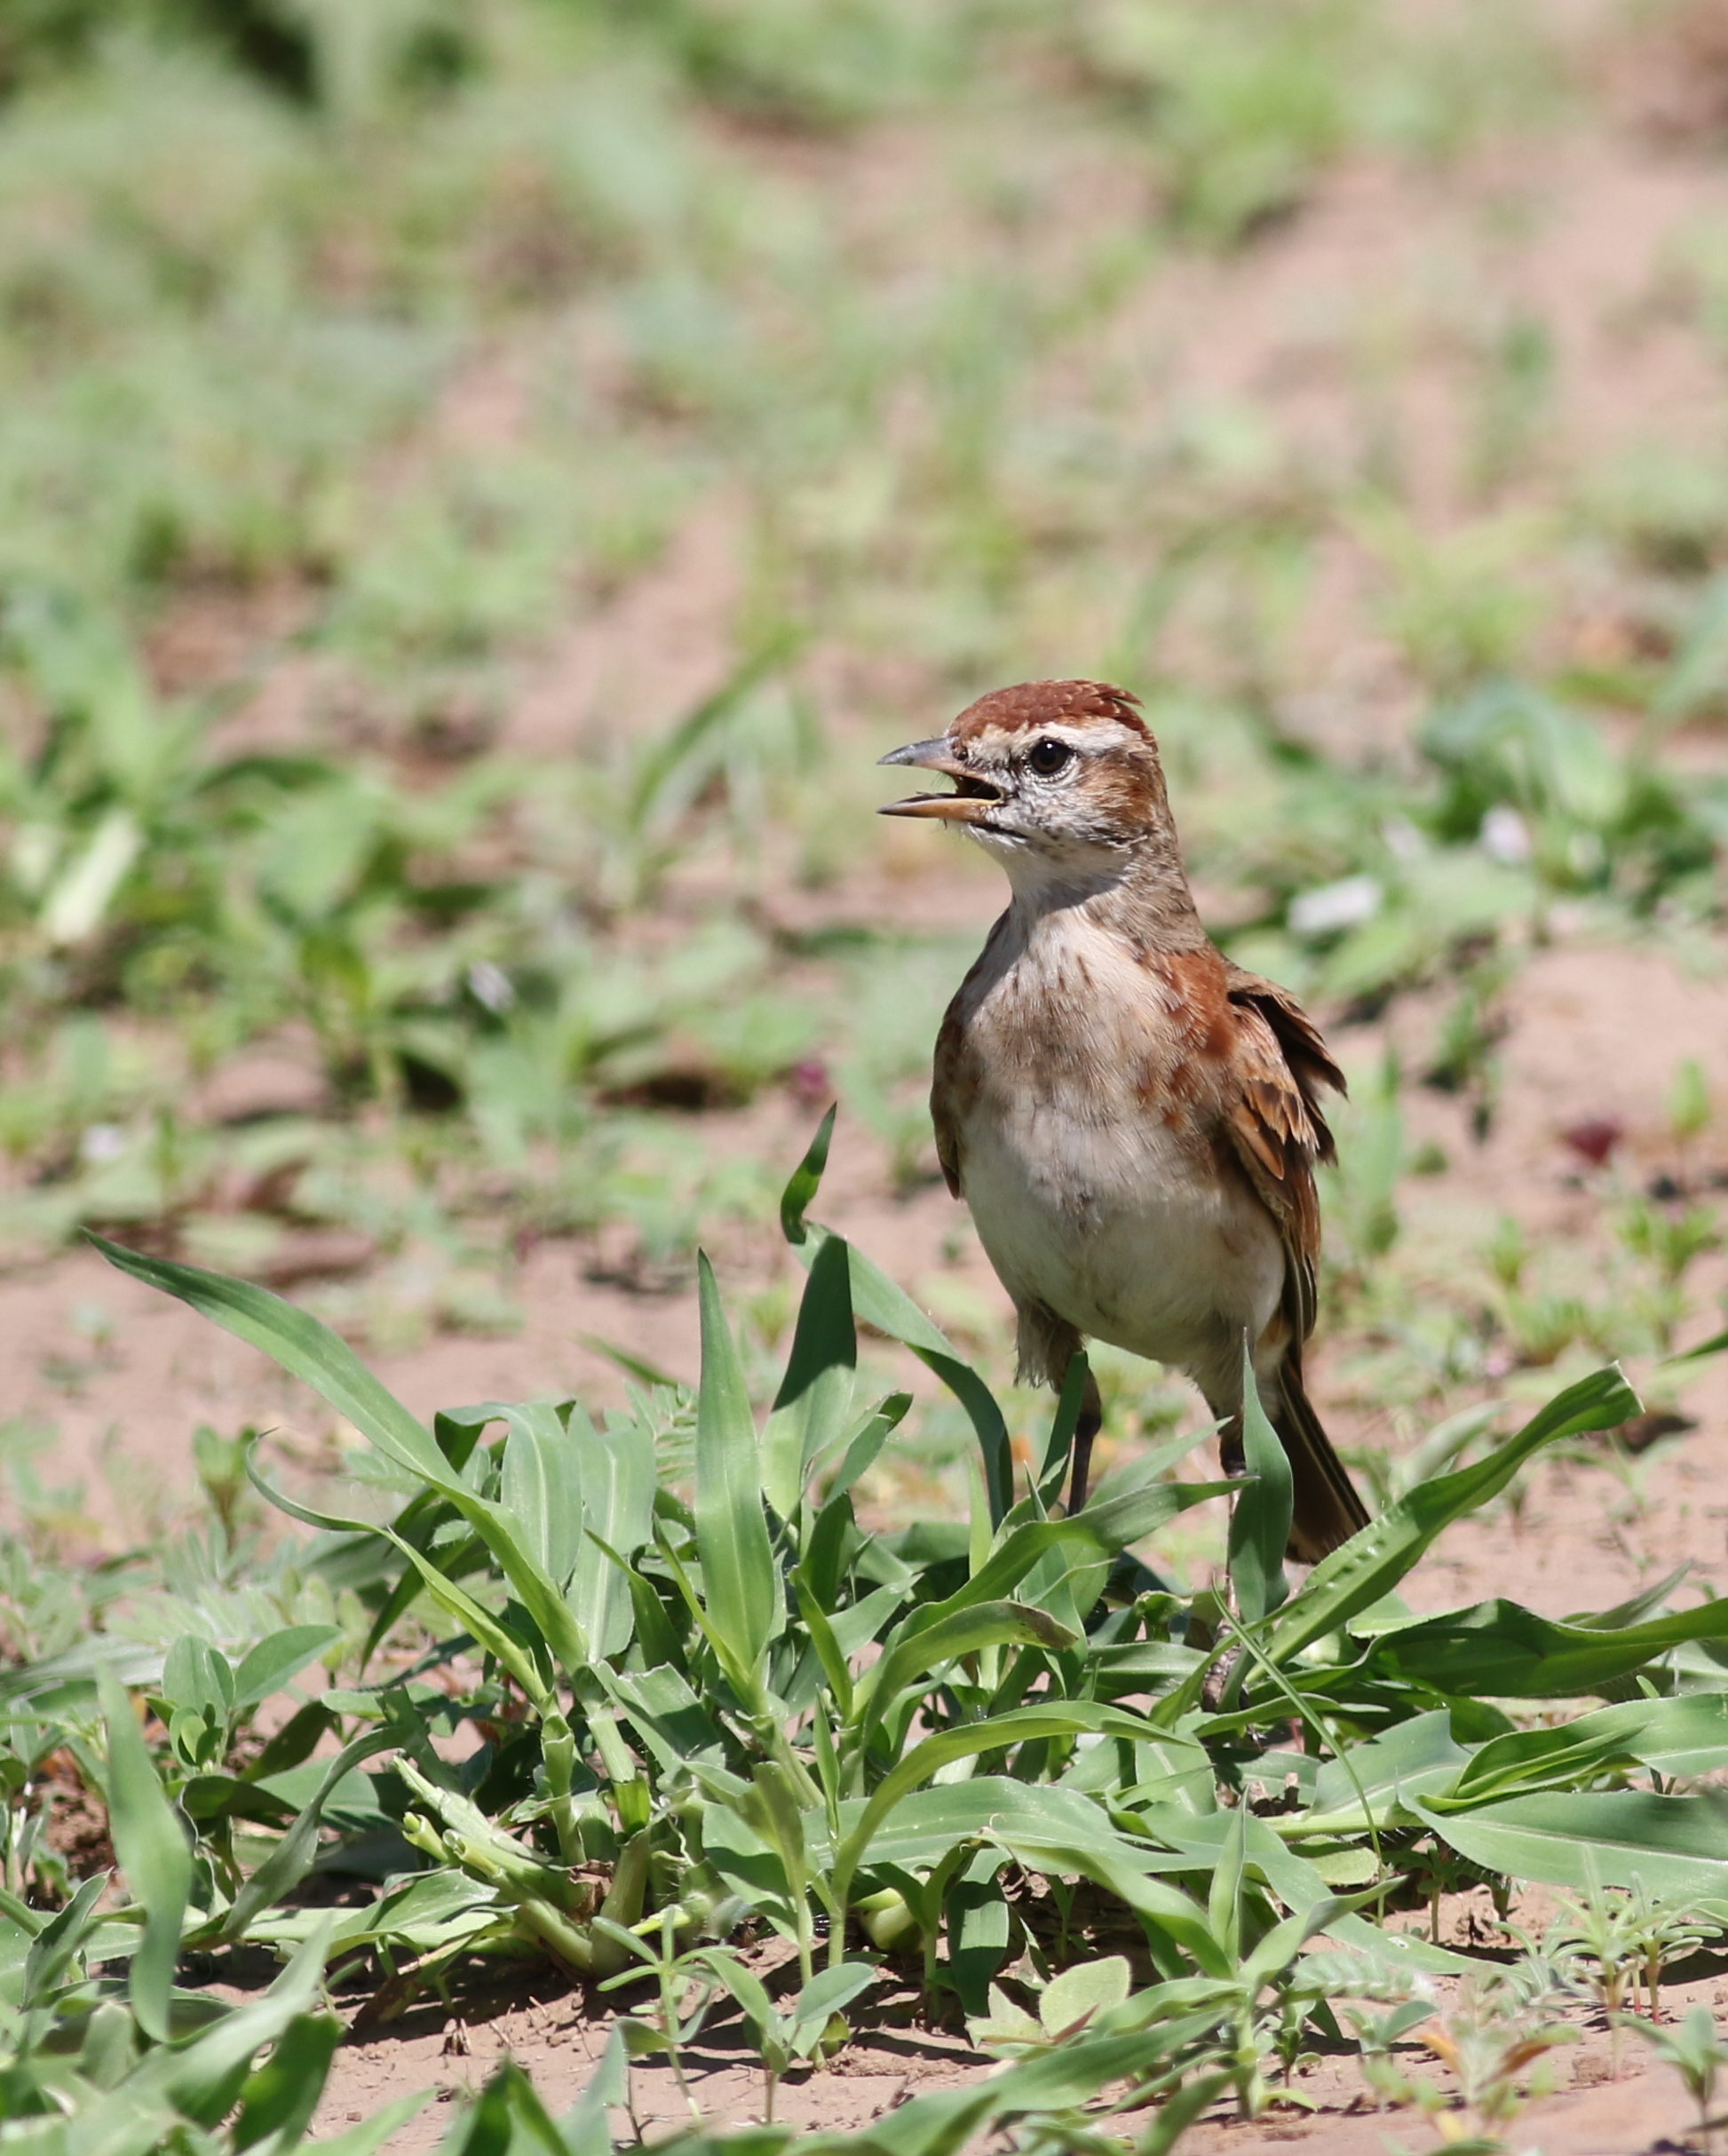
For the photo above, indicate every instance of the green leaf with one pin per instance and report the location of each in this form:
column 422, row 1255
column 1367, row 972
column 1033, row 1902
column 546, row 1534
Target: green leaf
column 1377, row 1557
column 1103, row 1530
column 966, row 1630
column 280, row 2096
column 267, row 1666
column 506, row 2119
column 740, row 1583
column 303, row 1346
column 618, row 1500
column 154, row 1853
column 1260, row 1522
column 815, row 1402
column 371, row 2134
column 1417, row 1757
column 1500, row 1650
column 196, row 1677
column 807, row 1180
column 540, row 1489
column 1066, row 1718
column 292, row 1857
column 1673, row 1846
column 203, row 2078
column 497, row 1637
column 1224, row 1894
column 867, row 1440
column 878, row 1303
column 307, row 1350
column 1069, row 2001
column 829, row 1991
column 60, row 1940
column 586, row 2127
column 1687, row 1735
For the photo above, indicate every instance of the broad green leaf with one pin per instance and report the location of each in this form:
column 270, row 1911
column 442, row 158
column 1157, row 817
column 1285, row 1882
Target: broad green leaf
column 154, row 1853
column 1105, row 1858
column 877, row 1302
column 292, row 1857
column 540, row 1489
column 1103, row 1530
column 810, row 1413
column 1260, row 1521
column 267, row 1666
column 926, row 1825
column 829, row 1991
column 1069, row 2001
column 740, row 1582
column 203, row 2077
column 196, row 1677
column 1413, row 1758
column 966, row 1631
column 303, row 1346
column 805, row 1180
column 1377, row 1557
column 1687, row 1735
column 1500, row 1650
column 308, row 1350
column 281, row 2095
column 749, row 1990
column 1673, row 1846
column 1064, row 1718
column 618, row 1499
column 1198, row 1838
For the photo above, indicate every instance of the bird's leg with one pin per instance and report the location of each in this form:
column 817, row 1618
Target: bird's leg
column 1088, row 1423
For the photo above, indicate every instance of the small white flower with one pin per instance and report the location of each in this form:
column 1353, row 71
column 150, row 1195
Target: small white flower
column 1330, row 907
column 101, row 1142
column 1505, row 836
column 490, row 984
column 1402, row 839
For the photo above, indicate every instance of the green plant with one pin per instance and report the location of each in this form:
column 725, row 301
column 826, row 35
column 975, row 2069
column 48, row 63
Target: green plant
column 1489, row 2040
column 1697, row 2054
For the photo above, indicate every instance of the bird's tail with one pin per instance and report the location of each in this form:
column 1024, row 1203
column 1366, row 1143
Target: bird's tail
column 1329, row 1509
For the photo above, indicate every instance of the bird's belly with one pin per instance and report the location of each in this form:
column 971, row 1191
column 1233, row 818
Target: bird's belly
column 1122, row 1231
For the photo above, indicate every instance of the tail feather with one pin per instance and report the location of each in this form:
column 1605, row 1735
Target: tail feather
column 1329, row 1509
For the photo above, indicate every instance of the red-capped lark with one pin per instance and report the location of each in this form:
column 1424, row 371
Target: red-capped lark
column 1132, row 1119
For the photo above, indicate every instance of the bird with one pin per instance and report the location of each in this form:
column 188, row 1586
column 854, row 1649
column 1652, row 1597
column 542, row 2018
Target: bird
column 1132, row 1119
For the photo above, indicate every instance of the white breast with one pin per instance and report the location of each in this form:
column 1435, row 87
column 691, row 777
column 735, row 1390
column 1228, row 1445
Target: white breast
column 1085, row 1199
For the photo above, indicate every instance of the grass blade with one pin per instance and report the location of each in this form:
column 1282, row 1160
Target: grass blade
column 1260, row 1523
column 1374, row 1560
column 814, row 1401
column 154, row 1853
column 740, row 1583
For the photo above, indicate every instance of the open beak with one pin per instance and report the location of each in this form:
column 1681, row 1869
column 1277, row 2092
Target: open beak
column 970, row 803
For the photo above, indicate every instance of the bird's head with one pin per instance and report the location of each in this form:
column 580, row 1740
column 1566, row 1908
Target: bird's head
column 1059, row 779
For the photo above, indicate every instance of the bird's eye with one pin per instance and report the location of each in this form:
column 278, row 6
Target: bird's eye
column 1048, row 756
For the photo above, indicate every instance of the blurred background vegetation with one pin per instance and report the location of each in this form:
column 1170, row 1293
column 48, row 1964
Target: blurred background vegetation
column 480, row 482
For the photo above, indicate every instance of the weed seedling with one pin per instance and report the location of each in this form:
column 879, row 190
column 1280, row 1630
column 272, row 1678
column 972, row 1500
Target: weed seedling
column 1697, row 2054
column 1489, row 2040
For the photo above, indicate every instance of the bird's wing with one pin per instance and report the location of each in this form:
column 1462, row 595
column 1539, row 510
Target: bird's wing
column 946, row 1081
column 1274, row 1123
column 1306, row 1056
